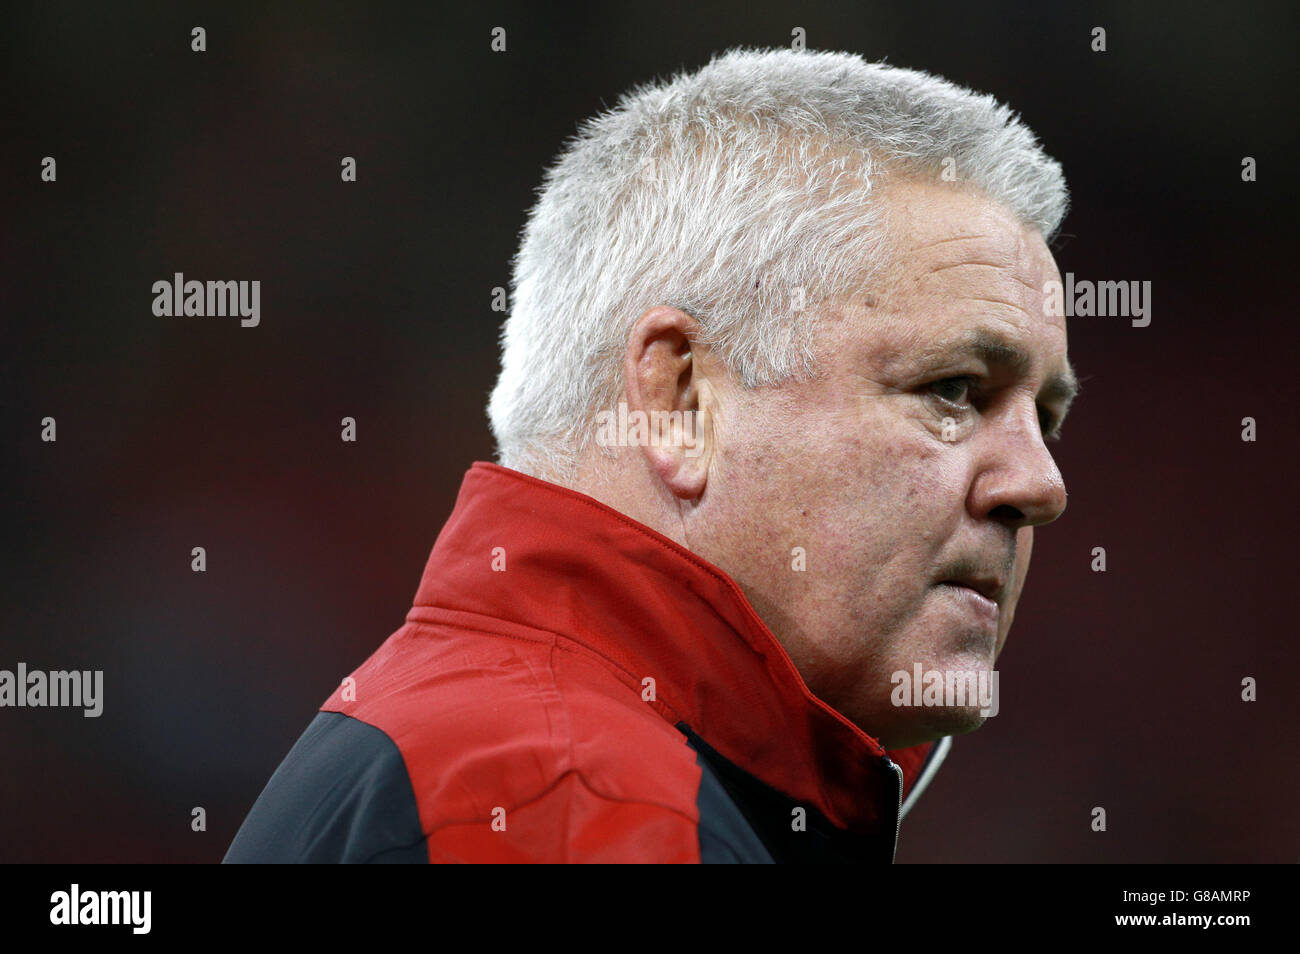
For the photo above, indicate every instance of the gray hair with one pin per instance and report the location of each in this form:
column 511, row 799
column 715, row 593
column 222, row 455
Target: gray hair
column 738, row 194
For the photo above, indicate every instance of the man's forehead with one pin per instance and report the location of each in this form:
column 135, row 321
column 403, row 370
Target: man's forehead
column 973, row 257
column 967, row 281
column 934, row 227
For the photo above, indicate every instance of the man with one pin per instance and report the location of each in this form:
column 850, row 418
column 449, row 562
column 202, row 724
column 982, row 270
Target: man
column 771, row 422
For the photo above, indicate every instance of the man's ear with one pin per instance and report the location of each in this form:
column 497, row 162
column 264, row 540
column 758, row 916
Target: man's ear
column 669, row 400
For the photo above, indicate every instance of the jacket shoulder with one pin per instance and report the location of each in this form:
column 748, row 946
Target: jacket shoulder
column 513, row 747
column 339, row 772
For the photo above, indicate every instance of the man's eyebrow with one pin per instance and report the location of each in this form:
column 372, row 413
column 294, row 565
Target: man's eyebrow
column 1061, row 387
column 994, row 349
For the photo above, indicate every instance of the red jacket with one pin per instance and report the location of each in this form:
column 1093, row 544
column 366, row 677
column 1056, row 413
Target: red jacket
column 572, row 686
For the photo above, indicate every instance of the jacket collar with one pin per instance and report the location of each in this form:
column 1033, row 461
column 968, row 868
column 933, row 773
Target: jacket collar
column 586, row 572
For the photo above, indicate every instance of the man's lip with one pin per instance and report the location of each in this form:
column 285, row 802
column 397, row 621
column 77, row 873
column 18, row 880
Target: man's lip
column 987, row 587
column 986, row 607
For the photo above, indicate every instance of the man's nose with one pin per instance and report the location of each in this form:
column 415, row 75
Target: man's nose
column 1019, row 482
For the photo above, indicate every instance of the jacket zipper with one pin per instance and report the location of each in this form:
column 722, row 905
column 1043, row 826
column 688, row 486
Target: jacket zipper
column 898, row 813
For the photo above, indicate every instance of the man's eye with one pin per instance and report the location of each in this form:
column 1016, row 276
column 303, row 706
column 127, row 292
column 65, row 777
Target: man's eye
column 952, row 390
column 1050, row 426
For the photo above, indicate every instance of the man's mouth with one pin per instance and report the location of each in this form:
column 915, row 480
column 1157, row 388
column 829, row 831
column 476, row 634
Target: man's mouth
column 980, row 596
column 987, row 587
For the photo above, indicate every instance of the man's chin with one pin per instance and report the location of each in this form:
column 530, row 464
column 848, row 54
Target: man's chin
column 932, row 724
column 952, row 694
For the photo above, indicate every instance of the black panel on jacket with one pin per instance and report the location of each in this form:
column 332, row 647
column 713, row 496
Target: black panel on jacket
column 342, row 794
column 726, row 837
column 768, row 814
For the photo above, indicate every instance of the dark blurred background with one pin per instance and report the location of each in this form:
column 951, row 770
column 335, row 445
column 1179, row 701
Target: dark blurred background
column 1119, row 689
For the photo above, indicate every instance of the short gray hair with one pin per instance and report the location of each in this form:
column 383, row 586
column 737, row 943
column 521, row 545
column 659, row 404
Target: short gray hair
column 739, row 194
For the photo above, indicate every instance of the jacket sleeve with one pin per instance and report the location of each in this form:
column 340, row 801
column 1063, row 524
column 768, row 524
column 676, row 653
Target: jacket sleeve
column 341, row 795
column 571, row 823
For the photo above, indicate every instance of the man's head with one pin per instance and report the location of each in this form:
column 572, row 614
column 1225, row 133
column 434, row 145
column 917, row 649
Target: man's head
column 834, row 272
